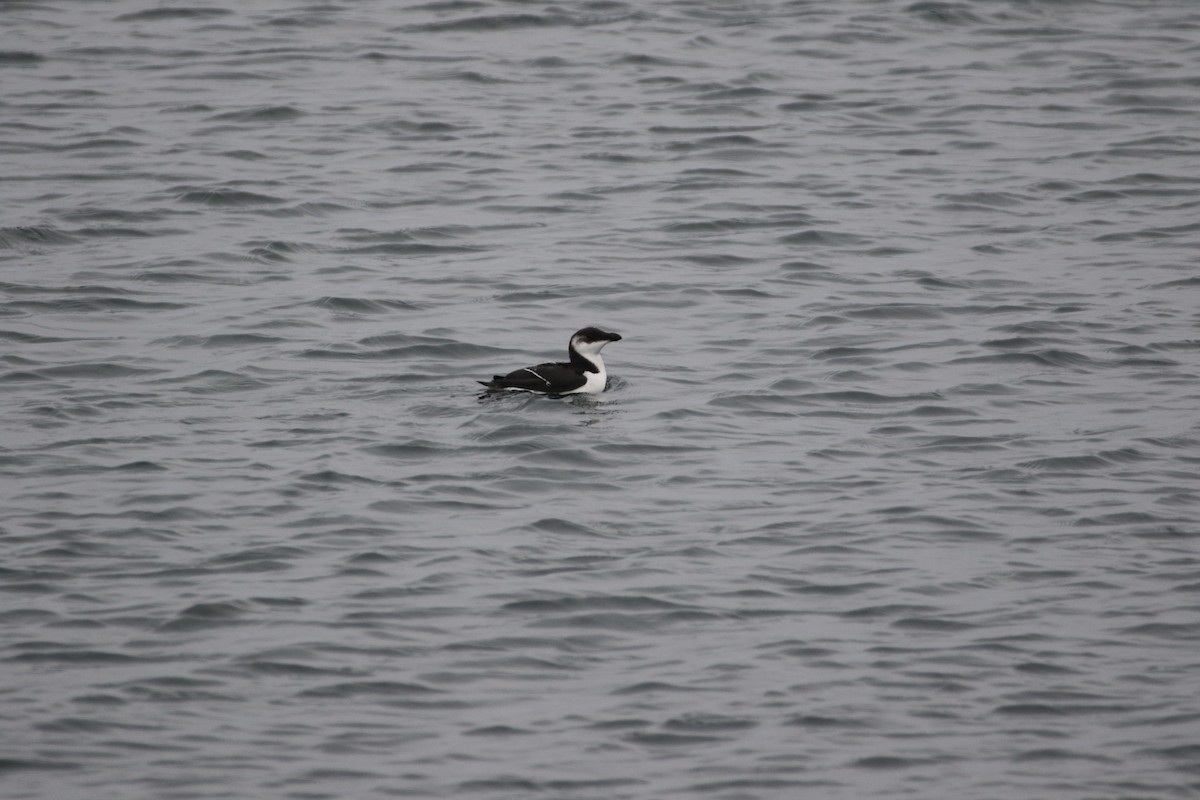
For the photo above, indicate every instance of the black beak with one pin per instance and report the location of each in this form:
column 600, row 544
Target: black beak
column 614, row 337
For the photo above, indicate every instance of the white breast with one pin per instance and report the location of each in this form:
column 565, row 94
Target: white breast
column 595, row 381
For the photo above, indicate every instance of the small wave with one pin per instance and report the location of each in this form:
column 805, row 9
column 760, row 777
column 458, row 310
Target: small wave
column 20, row 58
column 83, row 656
column 124, row 233
column 943, row 13
column 1104, row 458
column 417, row 129
column 737, row 93
column 1043, row 358
column 140, row 467
column 359, row 305
column 412, row 249
column 615, row 158
column 590, row 603
column 823, row 238
column 23, row 237
column 1029, row 710
column 91, row 143
column 1095, row 196
column 241, row 155
column 985, row 200
column 469, row 76
column 890, row 762
column 289, row 669
column 256, row 555
column 648, row 687
column 563, row 527
column 11, row 765
column 105, row 370
column 935, row 624
column 866, row 398
column 497, row 730
column 220, row 340
column 330, row 478
column 1154, row 179
column 214, row 381
column 728, row 140
column 185, row 12
column 260, row 114
column 1182, row 282
column 275, row 252
column 222, row 197
column 174, row 276
column 715, row 259
column 18, row 288
column 29, row 338
column 206, row 615
column 412, row 451
column 369, row 688
column 90, row 304
column 497, row 22
column 662, row 739
column 729, row 224
column 897, row 311
column 820, row 723
column 887, row 610
column 1058, row 754
column 808, row 101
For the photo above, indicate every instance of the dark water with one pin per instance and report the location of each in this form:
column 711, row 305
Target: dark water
column 894, row 492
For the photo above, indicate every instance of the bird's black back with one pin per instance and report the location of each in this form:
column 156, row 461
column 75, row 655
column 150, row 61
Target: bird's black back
column 548, row 378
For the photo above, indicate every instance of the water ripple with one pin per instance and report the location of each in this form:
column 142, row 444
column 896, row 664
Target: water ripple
column 893, row 485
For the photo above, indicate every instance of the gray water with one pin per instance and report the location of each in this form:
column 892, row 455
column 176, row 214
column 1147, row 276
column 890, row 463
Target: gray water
column 893, row 493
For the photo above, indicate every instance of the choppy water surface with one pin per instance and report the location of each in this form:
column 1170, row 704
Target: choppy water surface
column 894, row 492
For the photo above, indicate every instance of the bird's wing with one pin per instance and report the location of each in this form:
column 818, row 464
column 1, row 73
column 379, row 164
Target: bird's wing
column 549, row 378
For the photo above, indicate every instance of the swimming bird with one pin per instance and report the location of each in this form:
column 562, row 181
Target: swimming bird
column 583, row 372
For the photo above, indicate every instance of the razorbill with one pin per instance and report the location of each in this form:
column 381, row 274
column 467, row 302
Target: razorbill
column 584, row 372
